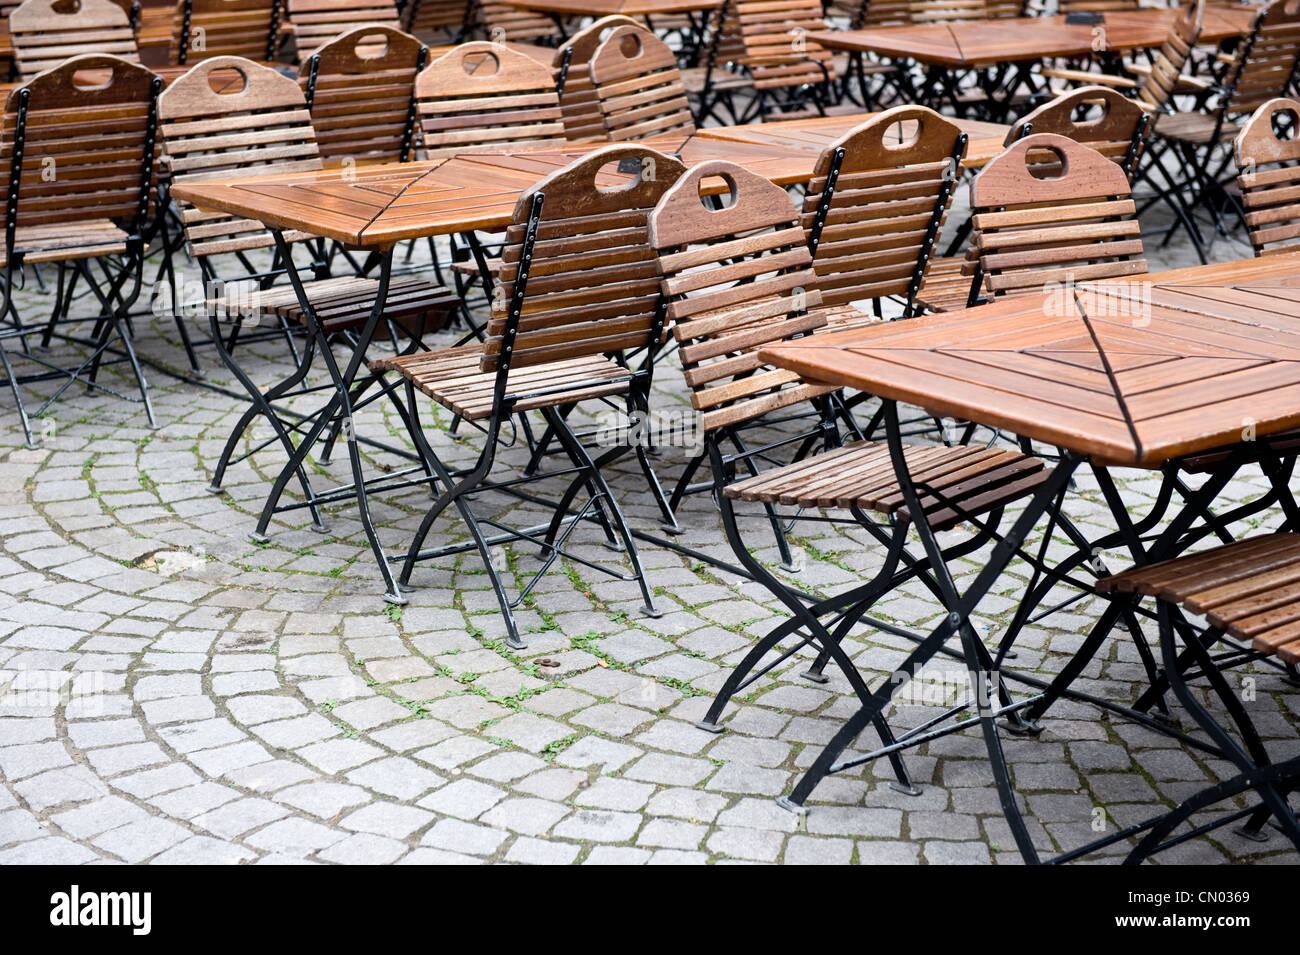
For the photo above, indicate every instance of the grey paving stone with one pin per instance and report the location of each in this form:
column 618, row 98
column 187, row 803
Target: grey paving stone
column 523, row 814
column 387, row 819
column 463, row 798
column 464, row 837
column 597, row 825
column 526, row 851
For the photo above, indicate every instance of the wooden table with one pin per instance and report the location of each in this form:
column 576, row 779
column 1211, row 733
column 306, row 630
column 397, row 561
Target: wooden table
column 1217, row 350
column 379, row 205
column 1193, row 360
column 1004, row 51
column 975, row 44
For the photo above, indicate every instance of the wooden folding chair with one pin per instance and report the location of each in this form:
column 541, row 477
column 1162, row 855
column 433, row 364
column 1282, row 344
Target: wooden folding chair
column 360, row 91
column 579, row 104
column 1153, row 86
column 1076, row 226
column 1262, row 68
column 315, row 22
column 874, row 209
column 482, row 96
column 263, row 129
column 1247, row 593
column 46, row 32
column 437, row 21
column 81, row 159
column 737, row 279
column 247, row 28
column 638, row 86
column 767, row 41
column 1268, row 175
column 1098, row 117
column 579, row 288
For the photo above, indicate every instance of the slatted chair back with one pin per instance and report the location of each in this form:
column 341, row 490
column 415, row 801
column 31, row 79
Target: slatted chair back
column 360, row 89
column 583, row 120
column 316, row 22
column 205, row 28
column 737, row 279
column 261, row 128
column 80, row 153
column 437, row 21
column 1097, row 116
column 639, row 87
column 947, row 11
column 770, row 38
column 881, row 13
column 46, row 32
column 483, row 96
column 1268, row 173
column 503, row 22
column 1077, row 226
column 997, row 9
column 874, row 234
column 1096, row 6
column 1265, row 62
column 1157, row 88
column 591, row 286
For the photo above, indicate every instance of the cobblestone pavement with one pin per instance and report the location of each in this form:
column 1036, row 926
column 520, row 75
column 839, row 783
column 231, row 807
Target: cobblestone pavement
column 176, row 693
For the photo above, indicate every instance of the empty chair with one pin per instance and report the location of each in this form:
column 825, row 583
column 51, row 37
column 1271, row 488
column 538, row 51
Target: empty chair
column 319, row 21
column 81, row 158
column 738, row 279
column 579, row 104
column 47, row 32
column 768, row 41
column 638, row 86
column 1076, row 226
column 1246, row 592
column 1154, row 86
column 482, row 96
column 1096, row 116
column 875, row 236
column 360, row 89
column 1268, row 167
column 260, row 126
column 579, row 287
column 247, row 28
column 1261, row 69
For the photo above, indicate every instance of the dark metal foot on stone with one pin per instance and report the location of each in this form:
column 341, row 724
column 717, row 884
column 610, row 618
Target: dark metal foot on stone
column 905, row 788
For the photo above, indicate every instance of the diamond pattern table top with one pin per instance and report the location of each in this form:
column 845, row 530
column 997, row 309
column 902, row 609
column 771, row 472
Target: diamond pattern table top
column 1128, row 373
column 973, row 43
column 382, row 204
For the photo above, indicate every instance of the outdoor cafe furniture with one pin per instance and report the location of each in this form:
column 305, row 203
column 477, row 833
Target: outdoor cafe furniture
column 1108, row 394
column 88, row 219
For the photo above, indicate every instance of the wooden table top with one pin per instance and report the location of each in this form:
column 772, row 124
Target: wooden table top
column 605, row 8
column 1162, row 366
column 976, row 43
column 391, row 202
